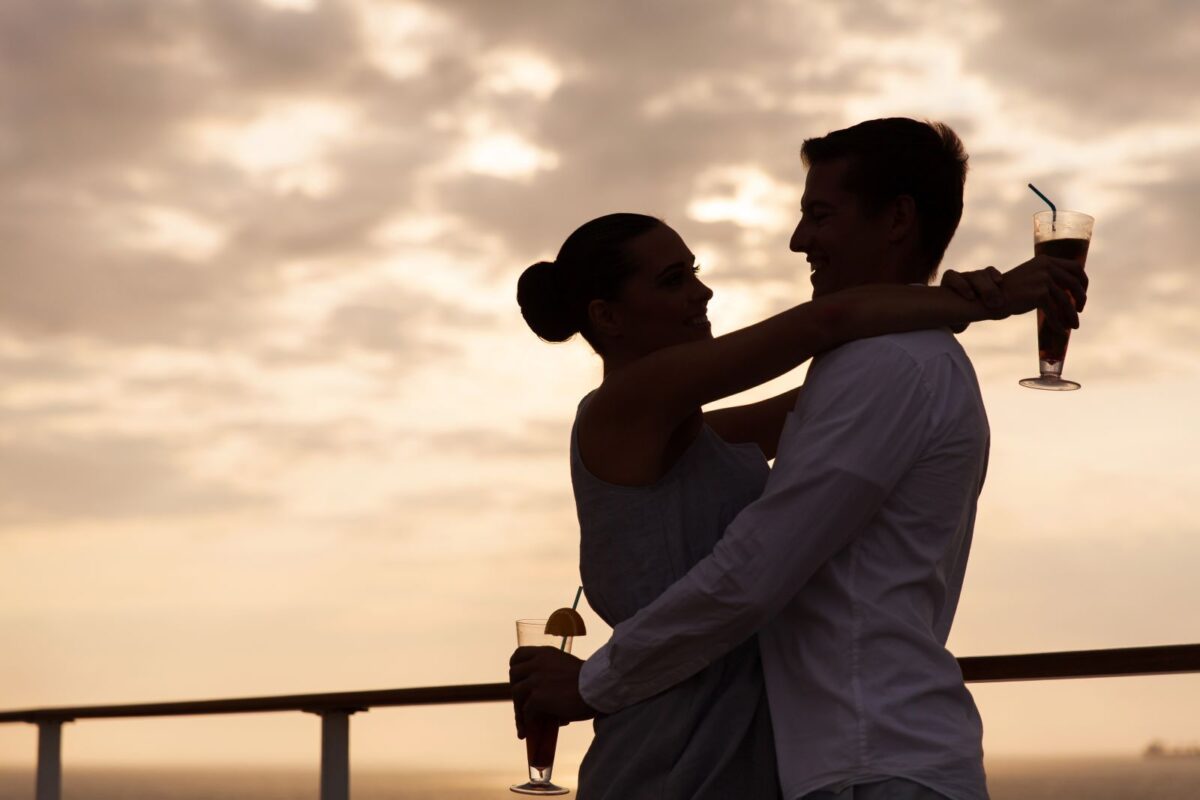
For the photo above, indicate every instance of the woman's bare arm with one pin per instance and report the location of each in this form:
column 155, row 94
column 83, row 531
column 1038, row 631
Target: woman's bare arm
column 669, row 384
column 638, row 408
column 760, row 423
column 634, row 427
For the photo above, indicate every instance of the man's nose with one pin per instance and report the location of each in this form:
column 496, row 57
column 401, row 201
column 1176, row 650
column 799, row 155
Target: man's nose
column 800, row 238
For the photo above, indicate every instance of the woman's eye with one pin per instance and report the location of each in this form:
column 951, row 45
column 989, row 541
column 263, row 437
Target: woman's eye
column 678, row 276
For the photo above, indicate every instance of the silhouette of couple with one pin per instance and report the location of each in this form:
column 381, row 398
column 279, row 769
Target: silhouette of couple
column 780, row 632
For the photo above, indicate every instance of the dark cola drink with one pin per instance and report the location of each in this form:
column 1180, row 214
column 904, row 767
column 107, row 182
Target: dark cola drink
column 1066, row 235
column 1053, row 340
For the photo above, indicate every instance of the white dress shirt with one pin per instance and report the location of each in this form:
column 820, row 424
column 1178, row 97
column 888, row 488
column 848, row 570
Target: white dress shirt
column 850, row 566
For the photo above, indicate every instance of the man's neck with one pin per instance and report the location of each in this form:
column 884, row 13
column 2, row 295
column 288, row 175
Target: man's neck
column 899, row 271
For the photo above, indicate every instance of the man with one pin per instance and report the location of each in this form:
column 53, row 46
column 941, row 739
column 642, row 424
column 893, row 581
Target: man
column 850, row 564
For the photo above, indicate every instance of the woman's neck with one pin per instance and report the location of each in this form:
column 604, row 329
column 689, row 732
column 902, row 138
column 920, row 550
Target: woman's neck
column 617, row 359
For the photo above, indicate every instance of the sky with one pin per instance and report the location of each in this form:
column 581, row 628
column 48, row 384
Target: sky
column 271, row 422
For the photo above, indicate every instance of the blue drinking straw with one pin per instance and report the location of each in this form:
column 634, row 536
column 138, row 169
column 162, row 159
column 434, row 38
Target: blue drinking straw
column 1053, row 210
column 563, row 646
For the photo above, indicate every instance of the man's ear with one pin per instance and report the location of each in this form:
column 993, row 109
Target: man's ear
column 903, row 219
column 605, row 318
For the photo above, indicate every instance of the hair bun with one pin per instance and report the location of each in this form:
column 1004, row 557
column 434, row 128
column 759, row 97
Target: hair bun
column 544, row 296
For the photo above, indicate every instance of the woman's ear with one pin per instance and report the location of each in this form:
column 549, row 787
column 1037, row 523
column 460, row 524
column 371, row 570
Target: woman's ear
column 605, row 319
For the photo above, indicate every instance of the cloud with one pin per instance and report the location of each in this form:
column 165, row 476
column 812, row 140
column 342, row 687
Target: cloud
column 1086, row 67
column 58, row 478
column 471, row 499
column 404, row 328
column 212, row 146
column 87, row 84
column 1142, row 304
column 603, row 115
column 1125, row 593
column 154, row 192
column 234, row 170
column 261, row 48
column 259, row 260
column 547, row 439
column 641, row 112
column 291, row 443
column 24, row 366
column 76, row 284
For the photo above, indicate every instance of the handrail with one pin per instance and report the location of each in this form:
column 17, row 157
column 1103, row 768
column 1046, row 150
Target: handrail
column 1116, row 662
column 312, row 703
column 336, row 708
column 1111, row 663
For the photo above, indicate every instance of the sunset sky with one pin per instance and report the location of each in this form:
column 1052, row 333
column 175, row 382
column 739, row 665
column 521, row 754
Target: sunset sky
column 271, row 422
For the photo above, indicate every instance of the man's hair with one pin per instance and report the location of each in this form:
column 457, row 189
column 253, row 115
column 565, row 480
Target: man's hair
column 898, row 156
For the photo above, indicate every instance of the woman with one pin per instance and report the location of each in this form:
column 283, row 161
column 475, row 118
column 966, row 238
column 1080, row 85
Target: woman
column 656, row 479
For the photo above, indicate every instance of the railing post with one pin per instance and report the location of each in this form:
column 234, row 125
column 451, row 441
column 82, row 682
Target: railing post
column 335, row 753
column 49, row 763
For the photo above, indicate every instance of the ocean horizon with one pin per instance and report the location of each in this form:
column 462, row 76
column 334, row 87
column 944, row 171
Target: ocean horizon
column 1010, row 778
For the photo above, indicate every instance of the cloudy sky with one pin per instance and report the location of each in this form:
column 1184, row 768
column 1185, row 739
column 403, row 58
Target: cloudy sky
column 270, row 421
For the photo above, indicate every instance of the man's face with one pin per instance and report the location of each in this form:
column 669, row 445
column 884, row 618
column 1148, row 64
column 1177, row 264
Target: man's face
column 845, row 245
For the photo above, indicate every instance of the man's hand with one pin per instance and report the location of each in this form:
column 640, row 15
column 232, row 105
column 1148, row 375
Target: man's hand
column 545, row 683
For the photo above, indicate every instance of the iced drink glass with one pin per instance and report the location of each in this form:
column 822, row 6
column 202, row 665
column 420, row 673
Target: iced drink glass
column 541, row 735
column 1066, row 234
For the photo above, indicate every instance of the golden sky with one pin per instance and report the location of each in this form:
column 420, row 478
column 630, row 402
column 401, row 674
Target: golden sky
column 273, row 424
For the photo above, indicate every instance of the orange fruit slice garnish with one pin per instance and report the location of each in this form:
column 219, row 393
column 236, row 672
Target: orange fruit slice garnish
column 565, row 622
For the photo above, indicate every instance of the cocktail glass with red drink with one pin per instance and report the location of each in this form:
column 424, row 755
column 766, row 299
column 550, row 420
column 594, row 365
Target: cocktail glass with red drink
column 541, row 735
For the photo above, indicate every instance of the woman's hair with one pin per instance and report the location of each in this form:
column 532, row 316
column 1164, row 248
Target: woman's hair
column 592, row 264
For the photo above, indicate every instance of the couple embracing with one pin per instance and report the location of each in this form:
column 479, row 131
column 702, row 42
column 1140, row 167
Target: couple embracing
column 780, row 632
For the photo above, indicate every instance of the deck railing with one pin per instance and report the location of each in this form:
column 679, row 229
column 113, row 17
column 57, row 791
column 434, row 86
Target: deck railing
column 335, row 709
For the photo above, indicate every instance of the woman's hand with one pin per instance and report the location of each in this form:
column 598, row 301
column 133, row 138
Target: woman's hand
column 982, row 285
column 1041, row 282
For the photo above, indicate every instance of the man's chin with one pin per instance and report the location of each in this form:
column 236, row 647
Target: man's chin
column 820, row 286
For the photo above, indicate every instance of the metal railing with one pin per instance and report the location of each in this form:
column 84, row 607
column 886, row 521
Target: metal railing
column 335, row 709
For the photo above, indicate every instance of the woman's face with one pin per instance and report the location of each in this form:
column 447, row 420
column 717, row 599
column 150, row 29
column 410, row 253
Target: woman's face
column 664, row 302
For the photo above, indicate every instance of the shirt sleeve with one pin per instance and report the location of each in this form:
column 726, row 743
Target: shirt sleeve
column 858, row 427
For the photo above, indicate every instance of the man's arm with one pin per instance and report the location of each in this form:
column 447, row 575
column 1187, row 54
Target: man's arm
column 859, row 427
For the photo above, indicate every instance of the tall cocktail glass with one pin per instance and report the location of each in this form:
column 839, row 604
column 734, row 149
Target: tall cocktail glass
column 1066, row 234
column 541, row 735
